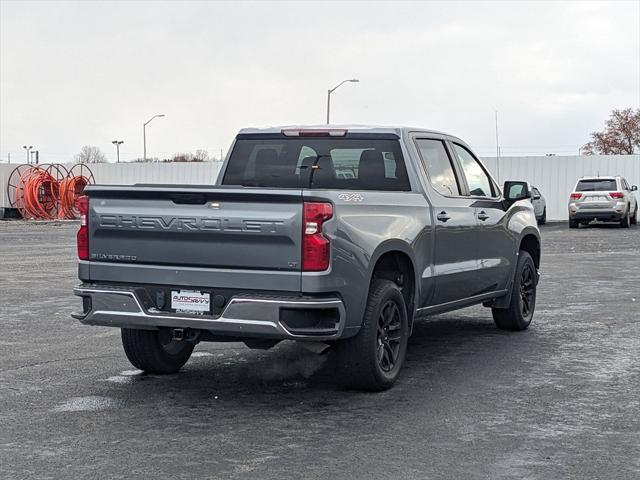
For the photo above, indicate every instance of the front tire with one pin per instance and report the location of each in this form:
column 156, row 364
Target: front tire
column 518, row 315
column 154, row 351
column 573, row 223
column 372, row 360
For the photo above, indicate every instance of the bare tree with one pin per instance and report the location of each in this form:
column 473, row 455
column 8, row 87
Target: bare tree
column 201, row 156
column 181, row 157
column 621, row 135
column 90, row 154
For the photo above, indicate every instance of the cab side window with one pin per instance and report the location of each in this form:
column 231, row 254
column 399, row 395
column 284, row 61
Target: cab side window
column 479, row 183
column 439, row 167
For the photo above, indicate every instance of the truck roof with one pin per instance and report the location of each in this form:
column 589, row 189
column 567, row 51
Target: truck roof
column 398, row 130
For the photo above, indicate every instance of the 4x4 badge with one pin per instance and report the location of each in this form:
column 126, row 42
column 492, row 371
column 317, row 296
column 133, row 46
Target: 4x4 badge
column 351, row 197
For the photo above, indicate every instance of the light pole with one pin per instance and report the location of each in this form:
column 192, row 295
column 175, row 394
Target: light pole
column 117, row 143
column 144, row 134
column 28, row 150
column 331, row 90
column 497, row 150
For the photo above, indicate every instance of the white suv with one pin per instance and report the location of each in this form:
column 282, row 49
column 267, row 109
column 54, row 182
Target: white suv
column 608, row 199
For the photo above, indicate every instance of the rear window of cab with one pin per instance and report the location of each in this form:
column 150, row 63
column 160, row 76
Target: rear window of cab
column 317, row 162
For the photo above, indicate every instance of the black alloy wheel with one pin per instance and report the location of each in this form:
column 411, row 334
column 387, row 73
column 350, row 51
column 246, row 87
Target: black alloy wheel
column 389, row 336
column 527, row 291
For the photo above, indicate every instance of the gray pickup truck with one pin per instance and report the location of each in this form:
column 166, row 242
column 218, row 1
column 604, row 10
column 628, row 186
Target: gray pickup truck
column 339, row 235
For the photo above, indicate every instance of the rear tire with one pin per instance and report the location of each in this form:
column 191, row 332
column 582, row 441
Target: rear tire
column 154, row 351
column 573, row 223
column 624, row 223
column 518, row 315
column 543, row 218
column 372, row 360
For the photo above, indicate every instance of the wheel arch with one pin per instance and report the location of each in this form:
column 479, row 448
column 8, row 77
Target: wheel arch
column 394, row 257
column 530, row 243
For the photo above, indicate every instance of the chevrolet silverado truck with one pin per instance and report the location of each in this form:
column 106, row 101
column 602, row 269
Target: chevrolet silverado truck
column 338, row 235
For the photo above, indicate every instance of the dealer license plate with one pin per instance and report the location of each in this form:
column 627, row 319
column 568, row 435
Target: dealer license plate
column 190, row 301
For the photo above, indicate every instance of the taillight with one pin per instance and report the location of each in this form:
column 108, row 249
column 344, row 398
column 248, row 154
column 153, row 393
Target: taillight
column 616, row 195
column 576, row 196
column 315, row 246
column 82, row 204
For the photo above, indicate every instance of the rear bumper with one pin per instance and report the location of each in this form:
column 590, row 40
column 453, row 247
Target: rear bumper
column 244, row 316
column 612, row 213
column 599, row 215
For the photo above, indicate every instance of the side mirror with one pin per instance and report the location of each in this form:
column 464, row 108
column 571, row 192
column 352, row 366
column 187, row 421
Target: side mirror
column 514, row 191
column 634, row 188
column 536, row 197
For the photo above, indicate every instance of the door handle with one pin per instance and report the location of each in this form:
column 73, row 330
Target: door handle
column 442, row 216
column 482, row 216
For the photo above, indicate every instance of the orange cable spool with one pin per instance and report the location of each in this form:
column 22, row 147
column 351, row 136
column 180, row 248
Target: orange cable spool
column 36, row 194
column 48, row 192
column 70, row 189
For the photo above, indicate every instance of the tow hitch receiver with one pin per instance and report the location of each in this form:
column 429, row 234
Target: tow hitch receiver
column 185, row 335
column 178, row 334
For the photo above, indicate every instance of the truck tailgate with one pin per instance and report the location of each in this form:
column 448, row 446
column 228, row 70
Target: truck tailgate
column 205, row 227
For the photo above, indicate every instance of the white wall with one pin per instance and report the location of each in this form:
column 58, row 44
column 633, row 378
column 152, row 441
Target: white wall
column 554, row 176
column 197, row 173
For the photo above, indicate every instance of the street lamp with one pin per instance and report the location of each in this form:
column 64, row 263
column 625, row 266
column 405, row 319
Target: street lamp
column 28, row 150
column 117, row 143
column 144, row 134
column 330, row 91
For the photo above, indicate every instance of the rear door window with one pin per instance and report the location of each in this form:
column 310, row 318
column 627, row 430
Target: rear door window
column 357, row 163
column 439, row 167
column 596, row 185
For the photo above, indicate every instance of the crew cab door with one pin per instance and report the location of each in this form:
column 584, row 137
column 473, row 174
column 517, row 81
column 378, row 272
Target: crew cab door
column 495, row 246
column 455, row 262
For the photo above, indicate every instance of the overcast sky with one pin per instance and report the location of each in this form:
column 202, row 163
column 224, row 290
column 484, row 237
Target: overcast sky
column 77, row 73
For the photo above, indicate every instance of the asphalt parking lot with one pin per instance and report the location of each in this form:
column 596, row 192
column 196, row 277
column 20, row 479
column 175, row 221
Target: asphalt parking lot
column 561, row 400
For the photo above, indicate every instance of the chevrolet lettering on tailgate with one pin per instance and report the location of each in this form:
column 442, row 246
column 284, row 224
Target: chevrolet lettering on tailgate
column 188, row 223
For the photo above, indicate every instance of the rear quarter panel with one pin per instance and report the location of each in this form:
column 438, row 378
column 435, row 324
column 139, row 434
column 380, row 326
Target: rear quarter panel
column 365, row 225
